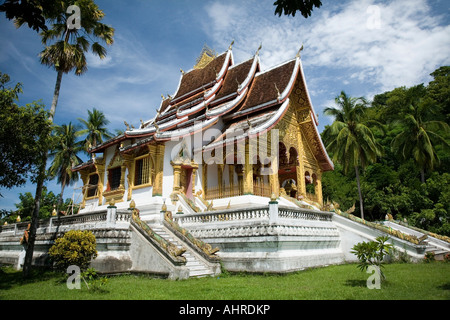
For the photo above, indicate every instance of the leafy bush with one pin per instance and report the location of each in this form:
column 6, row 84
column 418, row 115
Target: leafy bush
column 76, row 247
column 93, row 280
column 429, row 257
column 372, row 253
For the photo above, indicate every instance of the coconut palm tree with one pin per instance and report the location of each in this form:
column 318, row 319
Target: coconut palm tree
column 66, row 54
column 95, row 128
column 65, row 156
column 419, row 135
column 68, row 51
column 349, row 138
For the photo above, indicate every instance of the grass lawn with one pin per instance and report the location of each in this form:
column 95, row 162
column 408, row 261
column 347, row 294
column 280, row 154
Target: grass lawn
column 421, row 281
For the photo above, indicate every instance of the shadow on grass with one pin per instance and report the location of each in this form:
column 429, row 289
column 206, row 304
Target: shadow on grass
column 356, row 283
column 445, row 286
column 10, row 277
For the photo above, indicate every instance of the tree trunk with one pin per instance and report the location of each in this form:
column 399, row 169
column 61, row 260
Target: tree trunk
column 60, row 200
column 34, row 220
column 40, row 184
column 361, row 206
column 55, row 95
column 422, row 175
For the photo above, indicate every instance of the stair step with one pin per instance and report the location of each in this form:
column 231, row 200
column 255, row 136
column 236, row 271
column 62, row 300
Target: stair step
column 196, row 267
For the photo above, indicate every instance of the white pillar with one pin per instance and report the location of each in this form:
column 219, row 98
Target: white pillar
column 273, row 211
column 111, row 212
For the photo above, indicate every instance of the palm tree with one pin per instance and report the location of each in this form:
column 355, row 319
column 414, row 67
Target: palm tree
column 65, row 156
column 419, row 136
column 68, row 52
column 65, row 55
column 349, row 138
column 95, row 128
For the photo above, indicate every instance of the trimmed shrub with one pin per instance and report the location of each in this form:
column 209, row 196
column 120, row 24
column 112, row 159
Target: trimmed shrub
column 76, row 247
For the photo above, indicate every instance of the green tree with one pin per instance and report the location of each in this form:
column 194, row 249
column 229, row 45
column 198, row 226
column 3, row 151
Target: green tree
column 290, row 7
column 372, row 253
column 24, row 136
column 95, row 128
column 32, row 12
column 419, row 135
column 65, row 156
column 67, row 54
column 26, row 205
column 439, row 90
column 350, row 140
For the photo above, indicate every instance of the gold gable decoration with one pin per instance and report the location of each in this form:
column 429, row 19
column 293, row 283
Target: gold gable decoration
column 206, row 56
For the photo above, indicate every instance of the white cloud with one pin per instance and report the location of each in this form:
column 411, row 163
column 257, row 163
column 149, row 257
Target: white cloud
column 385, row 44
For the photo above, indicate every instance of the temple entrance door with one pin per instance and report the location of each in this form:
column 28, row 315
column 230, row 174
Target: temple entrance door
column 186, row 181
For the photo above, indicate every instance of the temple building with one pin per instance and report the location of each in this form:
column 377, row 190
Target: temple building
column 229, row 135
column 226, row 175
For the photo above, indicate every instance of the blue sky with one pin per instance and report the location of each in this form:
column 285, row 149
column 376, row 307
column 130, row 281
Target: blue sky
column 363, row 47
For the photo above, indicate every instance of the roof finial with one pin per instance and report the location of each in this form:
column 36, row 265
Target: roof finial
column 300, row 50
column 157, row 127
column 182, row 72
column 162, row 96
column 259, row 48
column 231, row 45
column 249, row 124
column 127, row 125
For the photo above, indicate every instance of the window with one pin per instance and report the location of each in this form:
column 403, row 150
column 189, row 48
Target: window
column 142, row 171
column 92, row 186
column 114, row 176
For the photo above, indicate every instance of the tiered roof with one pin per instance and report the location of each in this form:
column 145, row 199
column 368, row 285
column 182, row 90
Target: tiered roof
column 241, row 95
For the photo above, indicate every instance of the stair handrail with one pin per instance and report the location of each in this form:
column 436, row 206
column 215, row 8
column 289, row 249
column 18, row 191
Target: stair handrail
column 396, row 233
column 205, row 249
column 171, row 250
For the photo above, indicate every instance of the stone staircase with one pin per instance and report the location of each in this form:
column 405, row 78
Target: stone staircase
column 197, row 268
column 439, row 252
column 439, row 247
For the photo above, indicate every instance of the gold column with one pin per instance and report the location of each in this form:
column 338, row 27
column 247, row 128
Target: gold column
column 319, row 187
column 273, row 178
column 159, row 163
column 194, row 177
column 301, row 186
column 176, row 176
column 128, row 161
column 100, row 169
column 204, row 179
column 85, row 178
column 248, row 172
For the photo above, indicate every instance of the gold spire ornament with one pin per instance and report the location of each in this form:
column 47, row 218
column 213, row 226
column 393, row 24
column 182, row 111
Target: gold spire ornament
column 259, row 48
column 300, row 50
column 231, row 45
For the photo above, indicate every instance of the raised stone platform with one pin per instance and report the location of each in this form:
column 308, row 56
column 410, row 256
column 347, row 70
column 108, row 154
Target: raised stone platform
column 270, row 237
